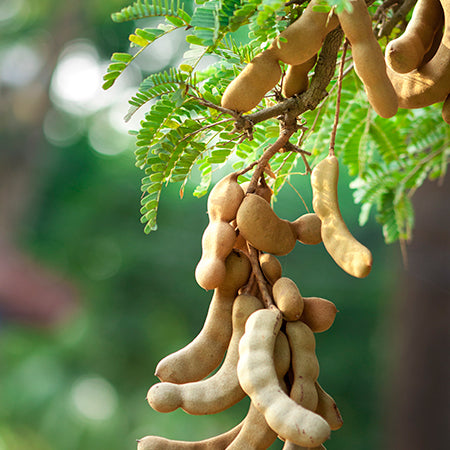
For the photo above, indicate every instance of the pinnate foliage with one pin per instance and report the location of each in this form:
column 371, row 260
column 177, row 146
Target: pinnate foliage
column 182, row 134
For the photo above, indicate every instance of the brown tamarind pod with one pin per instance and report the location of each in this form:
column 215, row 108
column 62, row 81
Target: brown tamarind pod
column 255, row 432
column 407, row 52
column 218, row 392
column 327, row 408
column 258, row 77
column 368, row 58
column 270, row 266
column 291, row 446
column 296, row 79
column 301, row 40
column 346, row 251
column 201, row 356
column 318, row 313
column 214, row 443
column 288, row 299
column 225, row 198
column 446, row 110
column 307, row 229
column 430, row 82
column 262, row 228
column 217, row 242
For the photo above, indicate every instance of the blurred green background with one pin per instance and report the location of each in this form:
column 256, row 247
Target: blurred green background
column 91, row 304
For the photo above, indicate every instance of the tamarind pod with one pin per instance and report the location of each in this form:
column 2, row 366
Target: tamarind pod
column 201, row 356
column 347, row 252
column 304, row 364
column 258, row 77
column 436, row 42
column 446, row 109
column 368, row 58
column 327, row 408
column 296, row 79
column 262, row 228
column 288, row 299
column 225, row 198
column 307, row 229
column 301, row 40
column 219, row 442
column 257, row 376
column 430, row 82
column 318, row 313
column 407, row 51
column 217, row 242
column 262, row 189
column 221, row 390
column 255, row 432
column 270, row 266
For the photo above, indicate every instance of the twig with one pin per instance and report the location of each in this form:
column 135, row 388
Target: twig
column 209, row 104
column 397, row 17
column 262, row 284
column 338, row 100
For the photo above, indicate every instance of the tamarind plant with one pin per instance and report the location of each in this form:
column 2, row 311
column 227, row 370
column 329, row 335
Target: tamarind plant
column 282, row 98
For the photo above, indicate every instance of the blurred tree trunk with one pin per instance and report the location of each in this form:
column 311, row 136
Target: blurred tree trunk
column 419, row 398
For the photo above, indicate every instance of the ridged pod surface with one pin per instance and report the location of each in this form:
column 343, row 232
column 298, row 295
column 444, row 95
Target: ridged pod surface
column 201, row 356
column 347, row 252
column 262, row 228
column 258, row 378
column 255, row 433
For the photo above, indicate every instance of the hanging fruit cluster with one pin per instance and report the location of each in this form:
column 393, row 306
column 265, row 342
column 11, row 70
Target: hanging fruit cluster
column 259, row 321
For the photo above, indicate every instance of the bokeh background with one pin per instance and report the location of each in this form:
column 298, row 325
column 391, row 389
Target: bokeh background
column 89, row 304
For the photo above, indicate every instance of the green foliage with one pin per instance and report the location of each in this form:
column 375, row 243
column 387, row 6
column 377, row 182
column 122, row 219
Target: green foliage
column 183, row 133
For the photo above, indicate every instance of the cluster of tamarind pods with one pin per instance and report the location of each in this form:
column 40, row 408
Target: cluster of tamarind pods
column 413, row 73
column 263, row 350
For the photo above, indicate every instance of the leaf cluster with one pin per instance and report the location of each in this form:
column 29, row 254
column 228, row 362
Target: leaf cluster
column 184, row 134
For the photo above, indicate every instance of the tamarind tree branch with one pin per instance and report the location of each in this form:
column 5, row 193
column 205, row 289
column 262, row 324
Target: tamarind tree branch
column 308, row 100
column 396, row 18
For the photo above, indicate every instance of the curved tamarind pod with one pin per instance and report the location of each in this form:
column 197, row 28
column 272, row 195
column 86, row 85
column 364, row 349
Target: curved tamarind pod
column 446, row 109
column 436, row 42
column 221, row 390
column 304, row 364
column 307, row 229
column 303, row 39
column 225, row 198
column 214, row 443
column 369, row 59
column 318, row 313
column 256, row 372
column 327, row 408
column 217, row 243
column 270, row 267
column 256, row 433
column 291, row 446
column 200, row 357
column 347, row 252
column 296, row 79
column 430, row 82
column 262, row 228
column 288, row 299
column 407, row 51
column 258, row 77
